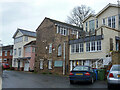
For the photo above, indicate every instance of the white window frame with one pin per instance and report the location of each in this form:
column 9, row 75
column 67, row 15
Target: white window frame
column 15, row 51
column 59, row 50
column 5, row 52
column 81, row 47
column 19, row 51
column 49, row 64
column 88, row 47
column 1, row 53
column 86, row 26
column 41, row 63
column 26, row 38
column 99, row 43
column 94, row 45
column 11, row 52
column 96, row 23
column 111, row 21
column 103, row 21
column 50, row 48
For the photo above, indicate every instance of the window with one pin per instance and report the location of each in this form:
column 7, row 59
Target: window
column 73, row 32
column 15, row 51
column 41, row 64
column 58, row 29
column 5, row 53
column 93, row 46
column 92, row 25
column 119, row 21
column 81, row 47
column 86, row 26
column 11, row 52
column 72, row 48
column 50, row 64
column 33, row 49
column 98, row 45
column 19, row 51
column 18, row 39
column 87, row 46
column 59, row 50
column 50, row 48
column 27, row 50
column 0, row 53
column 111, row 21
column 0, row 60
column 103, row 21
column 26, row 38
column 96, row 23
column 77, row 48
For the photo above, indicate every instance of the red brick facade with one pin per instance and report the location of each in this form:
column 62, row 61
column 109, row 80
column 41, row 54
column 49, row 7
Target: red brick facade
column 46, row 35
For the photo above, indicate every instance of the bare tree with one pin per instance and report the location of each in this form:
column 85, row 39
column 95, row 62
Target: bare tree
column 78, row 14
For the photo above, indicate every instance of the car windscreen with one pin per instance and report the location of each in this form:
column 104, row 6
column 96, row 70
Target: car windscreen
column 81, row 69
column 116, row 68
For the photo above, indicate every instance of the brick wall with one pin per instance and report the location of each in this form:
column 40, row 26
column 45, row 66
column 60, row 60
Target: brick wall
column 116, row 57
column 46, row 34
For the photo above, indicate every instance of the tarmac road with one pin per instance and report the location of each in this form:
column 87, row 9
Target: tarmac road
column 16, row 79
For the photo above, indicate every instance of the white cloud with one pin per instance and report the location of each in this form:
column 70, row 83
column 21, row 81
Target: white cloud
column 28, row 14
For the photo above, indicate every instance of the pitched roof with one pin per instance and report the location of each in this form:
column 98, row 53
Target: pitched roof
column 31, row 43
column 25, row 33
column 62, row 23
column 9, row 47
column 106, row 7
column 90, row 15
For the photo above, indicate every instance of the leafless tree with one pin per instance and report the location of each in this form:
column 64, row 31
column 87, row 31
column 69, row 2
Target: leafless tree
column 78, row 14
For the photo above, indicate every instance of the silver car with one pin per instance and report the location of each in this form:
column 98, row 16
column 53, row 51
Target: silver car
column 113, row 77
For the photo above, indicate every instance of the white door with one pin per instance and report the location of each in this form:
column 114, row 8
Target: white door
column 26, row 67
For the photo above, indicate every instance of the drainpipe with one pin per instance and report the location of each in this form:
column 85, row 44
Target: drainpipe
column 64, row 59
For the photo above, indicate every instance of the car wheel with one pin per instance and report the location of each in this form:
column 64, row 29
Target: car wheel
column 71, row 82
column 92, row 80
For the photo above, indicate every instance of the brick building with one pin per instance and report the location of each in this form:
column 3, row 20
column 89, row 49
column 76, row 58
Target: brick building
column 52, row 48
column 6, row 54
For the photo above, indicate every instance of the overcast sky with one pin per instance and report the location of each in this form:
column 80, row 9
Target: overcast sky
column 28, row 14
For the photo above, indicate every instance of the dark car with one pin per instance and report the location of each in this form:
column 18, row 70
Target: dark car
column 5, row 66
column 83, row 74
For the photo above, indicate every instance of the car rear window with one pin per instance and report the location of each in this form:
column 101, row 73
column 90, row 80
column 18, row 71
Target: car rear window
column 80, row 69
column 116, row 68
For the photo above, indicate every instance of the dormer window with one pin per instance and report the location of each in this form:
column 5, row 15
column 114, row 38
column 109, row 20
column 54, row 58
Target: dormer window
column 111, row 22
column 92, row 25
column 26, row 38
column 62, row 30
column 103, row 21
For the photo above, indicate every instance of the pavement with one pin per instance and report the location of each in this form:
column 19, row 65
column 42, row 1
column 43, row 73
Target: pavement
column 17, row 79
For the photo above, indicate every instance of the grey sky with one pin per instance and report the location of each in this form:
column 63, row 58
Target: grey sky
column 28, row 14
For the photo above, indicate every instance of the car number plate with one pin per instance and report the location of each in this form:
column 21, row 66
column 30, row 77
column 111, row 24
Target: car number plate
column 79, row 74
column 118, row 76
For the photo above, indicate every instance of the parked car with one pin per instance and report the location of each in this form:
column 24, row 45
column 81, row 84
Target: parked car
column 5, row 66
column 82, row 73
column 113, row 77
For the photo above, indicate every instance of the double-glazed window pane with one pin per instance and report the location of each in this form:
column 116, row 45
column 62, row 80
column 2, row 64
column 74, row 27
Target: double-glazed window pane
column 93, row 46
column 98, row 45
column 77, row 48
column 88, row 46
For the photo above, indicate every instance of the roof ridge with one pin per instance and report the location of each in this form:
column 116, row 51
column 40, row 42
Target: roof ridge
column 25, row 30
column 63, row 22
